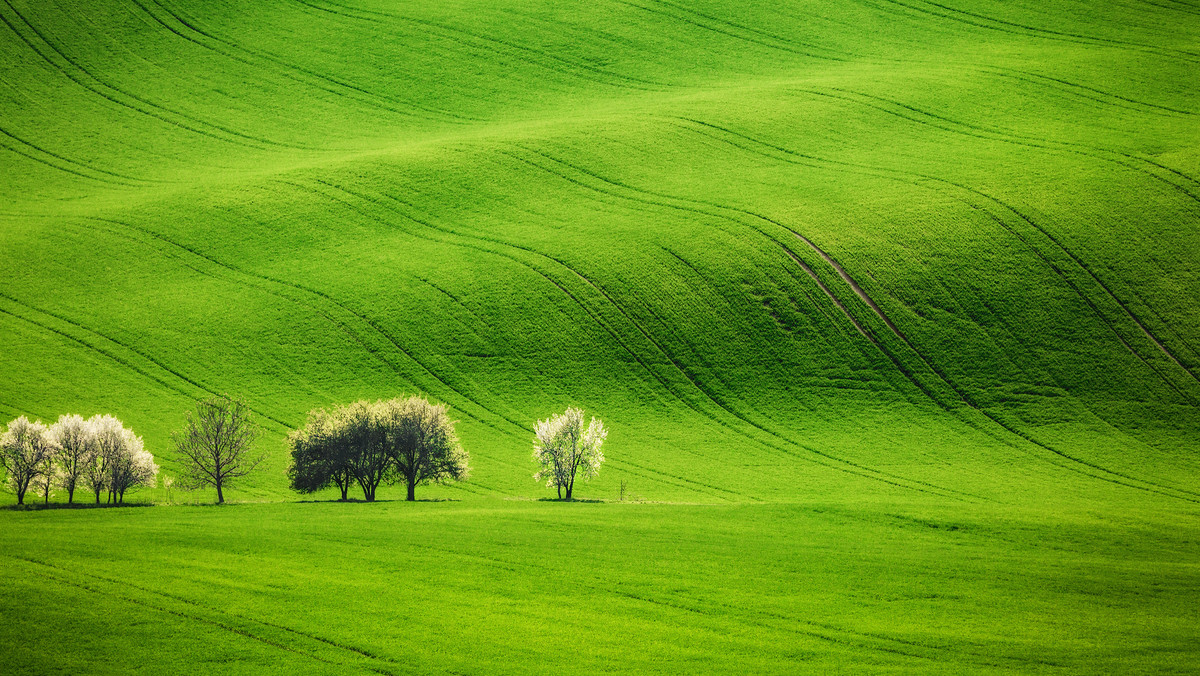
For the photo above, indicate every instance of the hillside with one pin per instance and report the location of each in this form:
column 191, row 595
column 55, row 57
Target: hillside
column 857, row 246
column 890, row 307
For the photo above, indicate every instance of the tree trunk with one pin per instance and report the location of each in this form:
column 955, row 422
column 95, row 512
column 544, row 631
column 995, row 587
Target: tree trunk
column 20, row 495
column 412, row 490
column 559, row 487
column 220, row 494
column 70, row 494
column 569, row 491
column 97, row 497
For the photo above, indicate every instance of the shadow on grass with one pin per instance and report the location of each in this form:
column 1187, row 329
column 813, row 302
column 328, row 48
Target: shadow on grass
column 584, row 500
column 75, row 505
column 360, row 501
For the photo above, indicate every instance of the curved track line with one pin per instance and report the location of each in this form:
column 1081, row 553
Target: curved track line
column 526, row 54
column 117, row 359
column 59, row 575
column 737, row 222
column 885, row 174
column 115, row 94
column 857, row 469
column 125, row 180
column 187, row 30
column 313, row 306
column 890, row 174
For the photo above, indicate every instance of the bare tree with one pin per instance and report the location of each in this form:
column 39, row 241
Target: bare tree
column 25, row 452
column 74, row 449
column 215, row 444
column 564, row 448
column 421, row 442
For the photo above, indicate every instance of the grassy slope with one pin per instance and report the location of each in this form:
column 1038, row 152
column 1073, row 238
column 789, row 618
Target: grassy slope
column 627, row 206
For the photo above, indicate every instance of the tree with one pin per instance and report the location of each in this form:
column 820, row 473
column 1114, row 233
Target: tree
column 133, row 466
column 25, row 451
column 215, row 445
column 376, row 443
column 366, row 452
column 319, row 455
column 95, row 472
column 74, row 449
column 421, row 441
column 44, row 483
column 121, row 461
column 563, row 448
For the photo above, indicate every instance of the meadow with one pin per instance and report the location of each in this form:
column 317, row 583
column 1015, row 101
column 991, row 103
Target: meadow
column 890, row 307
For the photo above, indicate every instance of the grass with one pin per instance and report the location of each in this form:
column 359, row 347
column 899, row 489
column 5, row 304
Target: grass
column 871, row 257
column 614, row 588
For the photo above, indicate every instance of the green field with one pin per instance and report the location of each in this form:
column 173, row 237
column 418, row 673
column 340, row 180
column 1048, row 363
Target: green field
column 891, row 307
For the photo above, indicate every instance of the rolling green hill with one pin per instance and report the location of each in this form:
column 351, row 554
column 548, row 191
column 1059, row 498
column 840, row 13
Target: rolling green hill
column 861, row 253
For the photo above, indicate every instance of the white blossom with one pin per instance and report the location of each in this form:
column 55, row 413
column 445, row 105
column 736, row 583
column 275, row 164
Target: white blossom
column 564, row 449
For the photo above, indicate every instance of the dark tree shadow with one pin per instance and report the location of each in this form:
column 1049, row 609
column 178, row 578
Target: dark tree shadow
column 360, row 501
column 36, row 507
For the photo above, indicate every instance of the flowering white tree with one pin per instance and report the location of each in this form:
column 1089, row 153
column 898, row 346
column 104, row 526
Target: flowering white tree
column 44, row 483
column 564, row 448
column 133, row 466
column 121, row 461
column 74, row 450
column 25, row 452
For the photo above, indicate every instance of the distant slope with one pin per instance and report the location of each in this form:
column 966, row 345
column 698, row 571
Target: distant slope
column 945, row 250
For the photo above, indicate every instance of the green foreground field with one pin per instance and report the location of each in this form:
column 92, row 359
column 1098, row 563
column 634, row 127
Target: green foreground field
column 493, row 586
column 890, row 307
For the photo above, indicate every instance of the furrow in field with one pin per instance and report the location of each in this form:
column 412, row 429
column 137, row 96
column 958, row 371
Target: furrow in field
column 692, row 383
column 270, row 63
column 946, row 124
column 1175, row 7
column 74, row 71
column 1080, row 263
column 502, row 48
column 323, row 305
column 677, row 481
column 1124, row 309
column 729, row 29
column 980, row 21
column 640, row 196
column 1073, row 87
column 1158, row 488
column 1046, row 31
column 197, row 612
column 74, row 166
column 72, row 326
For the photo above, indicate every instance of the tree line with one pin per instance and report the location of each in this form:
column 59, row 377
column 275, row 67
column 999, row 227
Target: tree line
column 409, row 441
column 99, row 453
